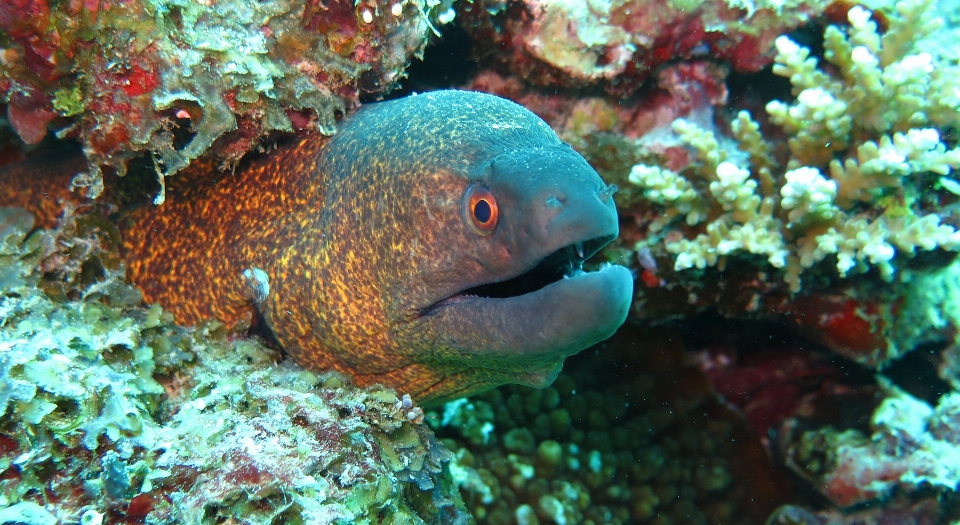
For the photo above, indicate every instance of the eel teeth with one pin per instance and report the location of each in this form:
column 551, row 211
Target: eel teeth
column 579, row 247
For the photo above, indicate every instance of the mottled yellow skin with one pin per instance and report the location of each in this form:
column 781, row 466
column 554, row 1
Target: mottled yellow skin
column 363, row 240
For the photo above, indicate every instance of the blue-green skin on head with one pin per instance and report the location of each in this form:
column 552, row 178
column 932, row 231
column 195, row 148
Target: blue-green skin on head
column 364, row 249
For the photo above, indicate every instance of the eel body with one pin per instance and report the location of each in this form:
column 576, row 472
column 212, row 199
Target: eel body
column 433, row 244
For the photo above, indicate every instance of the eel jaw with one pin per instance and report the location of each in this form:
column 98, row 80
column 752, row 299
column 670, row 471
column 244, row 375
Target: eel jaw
column 548, row 312
column 564, row 263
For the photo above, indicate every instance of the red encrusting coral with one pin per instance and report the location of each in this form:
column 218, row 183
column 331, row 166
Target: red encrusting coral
column 768, row 385
column 854, row 328
column 29, row 112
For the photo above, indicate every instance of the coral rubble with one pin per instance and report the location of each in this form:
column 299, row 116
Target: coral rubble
column 110, row 412
column 912, row 450
column 120, row 76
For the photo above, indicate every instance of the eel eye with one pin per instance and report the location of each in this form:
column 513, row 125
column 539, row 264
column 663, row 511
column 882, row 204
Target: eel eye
column 480, row 209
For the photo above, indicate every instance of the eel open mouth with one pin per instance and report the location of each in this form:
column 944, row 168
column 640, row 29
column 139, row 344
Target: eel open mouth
column 563, row 263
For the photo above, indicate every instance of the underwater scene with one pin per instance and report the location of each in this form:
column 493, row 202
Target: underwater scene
column 503, row 262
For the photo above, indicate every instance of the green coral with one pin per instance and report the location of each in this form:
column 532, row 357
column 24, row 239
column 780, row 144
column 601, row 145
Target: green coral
column 68, row 101
column 599, row 447
column 108, row 408
column 867, row 151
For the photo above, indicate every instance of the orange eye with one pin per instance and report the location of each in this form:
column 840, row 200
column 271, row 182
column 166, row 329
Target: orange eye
column 480, row 209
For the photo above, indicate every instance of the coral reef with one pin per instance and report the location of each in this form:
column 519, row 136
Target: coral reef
column 110, row 413
column 831, row 211
column 616, row 44
column 588, row 122
column 867, row 173
column 725, row 212
column 629, row 434
column 121, row 77
column 912, row 449
column 757, row 203
column 926, row 512
column 853, row 316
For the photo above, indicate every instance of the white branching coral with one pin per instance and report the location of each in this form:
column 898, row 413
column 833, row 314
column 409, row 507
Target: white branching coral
column 854, row 242
column 748, row 227
column 760, row 236
column 735, row 191
column 808, row 195
column 667, row 188
column 818, row 119
column 867, row 149
column 885, row 163
column 705, row 144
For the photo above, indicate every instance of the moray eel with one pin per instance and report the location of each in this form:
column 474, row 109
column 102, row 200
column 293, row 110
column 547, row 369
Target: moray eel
column 434, row 244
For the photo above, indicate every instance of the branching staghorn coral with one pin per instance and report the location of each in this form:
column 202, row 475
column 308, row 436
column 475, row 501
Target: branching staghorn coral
column 866, row 147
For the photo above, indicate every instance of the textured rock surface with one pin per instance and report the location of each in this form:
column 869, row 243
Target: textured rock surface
column 121, row 76
column 110, row 412
column 617, row 44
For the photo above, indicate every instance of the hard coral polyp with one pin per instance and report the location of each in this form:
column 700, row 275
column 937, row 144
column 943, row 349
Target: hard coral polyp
column 611, row 442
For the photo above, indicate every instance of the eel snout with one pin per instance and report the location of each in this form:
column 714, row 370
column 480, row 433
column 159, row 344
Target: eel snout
column 539, row 303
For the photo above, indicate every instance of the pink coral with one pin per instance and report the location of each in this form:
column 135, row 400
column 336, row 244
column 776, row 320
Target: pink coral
column 617, row 44
column 684, row 88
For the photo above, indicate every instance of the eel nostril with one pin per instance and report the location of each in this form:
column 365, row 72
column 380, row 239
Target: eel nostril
column 607, row 191
column 553, row 202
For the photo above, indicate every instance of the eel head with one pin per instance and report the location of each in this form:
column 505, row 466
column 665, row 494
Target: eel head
column 518, row 301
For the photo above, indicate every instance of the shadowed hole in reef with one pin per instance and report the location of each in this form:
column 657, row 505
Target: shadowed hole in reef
column 752, row 348
column 916, row 373
column 753, row 91
column 65, row 416
column 446, row 63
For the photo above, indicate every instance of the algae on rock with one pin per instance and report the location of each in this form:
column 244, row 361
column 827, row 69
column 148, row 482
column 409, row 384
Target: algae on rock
column 108, row 410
